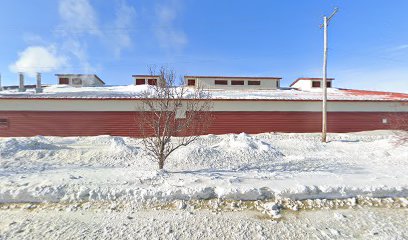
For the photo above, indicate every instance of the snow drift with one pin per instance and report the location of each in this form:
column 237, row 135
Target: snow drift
column 232, row 166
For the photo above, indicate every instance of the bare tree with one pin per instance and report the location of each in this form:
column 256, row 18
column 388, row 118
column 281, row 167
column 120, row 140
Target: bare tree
column 172, row 115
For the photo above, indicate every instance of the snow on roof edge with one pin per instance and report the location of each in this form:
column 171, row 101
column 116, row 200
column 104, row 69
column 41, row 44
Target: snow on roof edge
column 132, row 92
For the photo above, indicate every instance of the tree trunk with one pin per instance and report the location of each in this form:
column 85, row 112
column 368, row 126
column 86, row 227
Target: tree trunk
column 161, row 163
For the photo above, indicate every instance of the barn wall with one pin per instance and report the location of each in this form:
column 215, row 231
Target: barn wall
column 23, row 123
column 258, row 122
column 75, row 123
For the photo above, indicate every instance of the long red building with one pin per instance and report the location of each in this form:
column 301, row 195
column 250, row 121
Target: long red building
column 241, row 104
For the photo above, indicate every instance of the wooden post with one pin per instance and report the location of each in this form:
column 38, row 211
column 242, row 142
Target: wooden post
column 323, row 84
column 325, row 24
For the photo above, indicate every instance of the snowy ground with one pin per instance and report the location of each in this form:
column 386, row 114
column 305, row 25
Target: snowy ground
column 105, row 187
column 361, row 223
column 240, row 167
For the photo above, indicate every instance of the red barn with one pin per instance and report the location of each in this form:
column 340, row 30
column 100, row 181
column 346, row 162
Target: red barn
column 241, row 104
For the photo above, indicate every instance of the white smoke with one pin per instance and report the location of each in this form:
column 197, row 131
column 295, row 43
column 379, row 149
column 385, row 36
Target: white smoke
column 38, row 59
column 169, row 36
column 78, row 17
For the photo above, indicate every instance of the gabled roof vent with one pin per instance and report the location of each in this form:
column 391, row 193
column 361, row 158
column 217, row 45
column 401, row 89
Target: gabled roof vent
column 80, row 80
column 310, row 83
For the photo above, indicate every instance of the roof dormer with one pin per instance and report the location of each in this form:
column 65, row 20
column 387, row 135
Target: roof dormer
column 233, row 83
column 80, row 80
column 310, row 83
column 146, row 79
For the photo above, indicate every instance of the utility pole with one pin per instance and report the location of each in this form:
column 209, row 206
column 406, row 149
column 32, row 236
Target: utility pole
column 325, row 24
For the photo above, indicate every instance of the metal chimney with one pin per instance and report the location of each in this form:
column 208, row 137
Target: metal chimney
column 21, row 85
column 38, row 87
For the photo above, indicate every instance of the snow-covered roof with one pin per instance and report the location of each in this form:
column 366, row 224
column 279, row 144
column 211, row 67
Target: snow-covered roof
column 135, row 92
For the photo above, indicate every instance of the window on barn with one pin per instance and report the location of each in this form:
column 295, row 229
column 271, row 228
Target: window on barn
column 385, row 121
column 328, row 84
column 221, row 82
column 152, row 81
column 237, row 82
column 140, row 81
column 278, row 84
column 64, row 81
column 77, row 81
column 191, row 82
column 4, row 123
column 251, row 82
column 316, row 84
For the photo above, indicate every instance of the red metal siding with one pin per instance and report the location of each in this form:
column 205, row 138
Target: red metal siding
column 258, row 122
column 70, row 123
column 25, row 123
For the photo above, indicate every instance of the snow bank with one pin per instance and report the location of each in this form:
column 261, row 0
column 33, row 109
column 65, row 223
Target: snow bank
column 229, row 152
column 41, row 153
column 243, row 143
column 12, row 146
column 232, row 166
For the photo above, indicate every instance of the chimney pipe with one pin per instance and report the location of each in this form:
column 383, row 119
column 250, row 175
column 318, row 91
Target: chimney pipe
column 21, row 85
column 38, row 87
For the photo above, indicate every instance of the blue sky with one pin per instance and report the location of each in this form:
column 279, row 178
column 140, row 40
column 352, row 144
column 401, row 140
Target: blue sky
column 118, row 38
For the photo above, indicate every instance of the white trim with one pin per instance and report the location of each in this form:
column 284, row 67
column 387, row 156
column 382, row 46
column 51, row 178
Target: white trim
column 228, row 106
